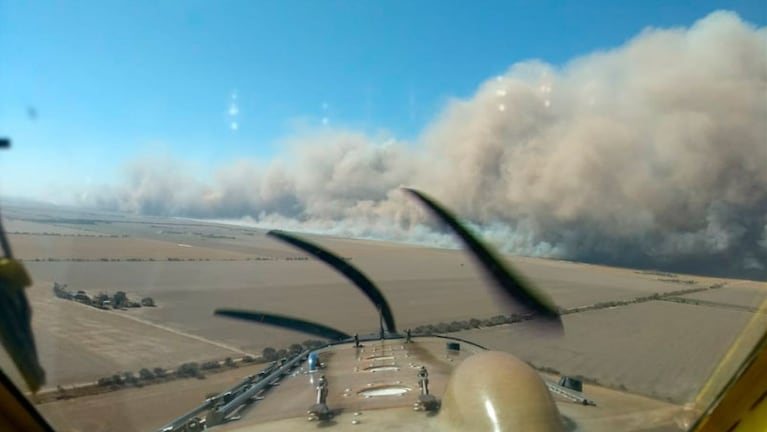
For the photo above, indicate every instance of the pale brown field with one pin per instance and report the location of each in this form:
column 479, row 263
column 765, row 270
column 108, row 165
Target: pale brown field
column 78, row 343
column 17, row 225
column 423, row 287
column 739, row 293
column 662, row 349
column 138, row 409
column 29, row 247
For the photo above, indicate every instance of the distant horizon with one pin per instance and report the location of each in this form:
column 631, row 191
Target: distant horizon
column 4, row 202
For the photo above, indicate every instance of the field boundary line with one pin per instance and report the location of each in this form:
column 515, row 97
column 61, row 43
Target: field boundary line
column 172, row 330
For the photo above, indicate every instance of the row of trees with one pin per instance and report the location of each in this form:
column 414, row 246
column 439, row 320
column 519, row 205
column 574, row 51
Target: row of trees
column 55, row 234
column 271, row 354
column 185, row 370
column 473, row 323
column 118, row 301
column 170, row 259
column 639, row 299
column 130, row 378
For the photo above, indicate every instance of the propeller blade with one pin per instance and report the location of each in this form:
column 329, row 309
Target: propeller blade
column 510, row 284
column 349, row 271
column 289, row 323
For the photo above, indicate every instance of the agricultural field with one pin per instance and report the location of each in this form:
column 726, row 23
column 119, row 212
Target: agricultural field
column 423, row 287
column 144, row 409
column 652, row 346
column 746, row 294
column 659, row 349
column 19, row 226
column 52, row 248
column 80, row 344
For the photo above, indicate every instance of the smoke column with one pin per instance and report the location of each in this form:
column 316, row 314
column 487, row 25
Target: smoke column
column 651, row 155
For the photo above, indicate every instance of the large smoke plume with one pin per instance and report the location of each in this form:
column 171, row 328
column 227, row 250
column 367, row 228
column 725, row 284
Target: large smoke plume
column 651, row 155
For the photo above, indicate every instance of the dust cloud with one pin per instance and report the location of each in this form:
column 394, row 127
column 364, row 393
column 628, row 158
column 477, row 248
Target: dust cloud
column 650, row 155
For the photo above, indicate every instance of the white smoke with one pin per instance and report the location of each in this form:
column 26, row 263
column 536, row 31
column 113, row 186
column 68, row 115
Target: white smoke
column 653, row 154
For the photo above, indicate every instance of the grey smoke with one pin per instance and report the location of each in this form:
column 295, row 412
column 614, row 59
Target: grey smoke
column 653, row 154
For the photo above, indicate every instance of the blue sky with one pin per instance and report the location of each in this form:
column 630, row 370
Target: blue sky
column 87, row 86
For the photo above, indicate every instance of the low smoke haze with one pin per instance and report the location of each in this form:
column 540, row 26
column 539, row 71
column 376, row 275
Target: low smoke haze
column 652, row 155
